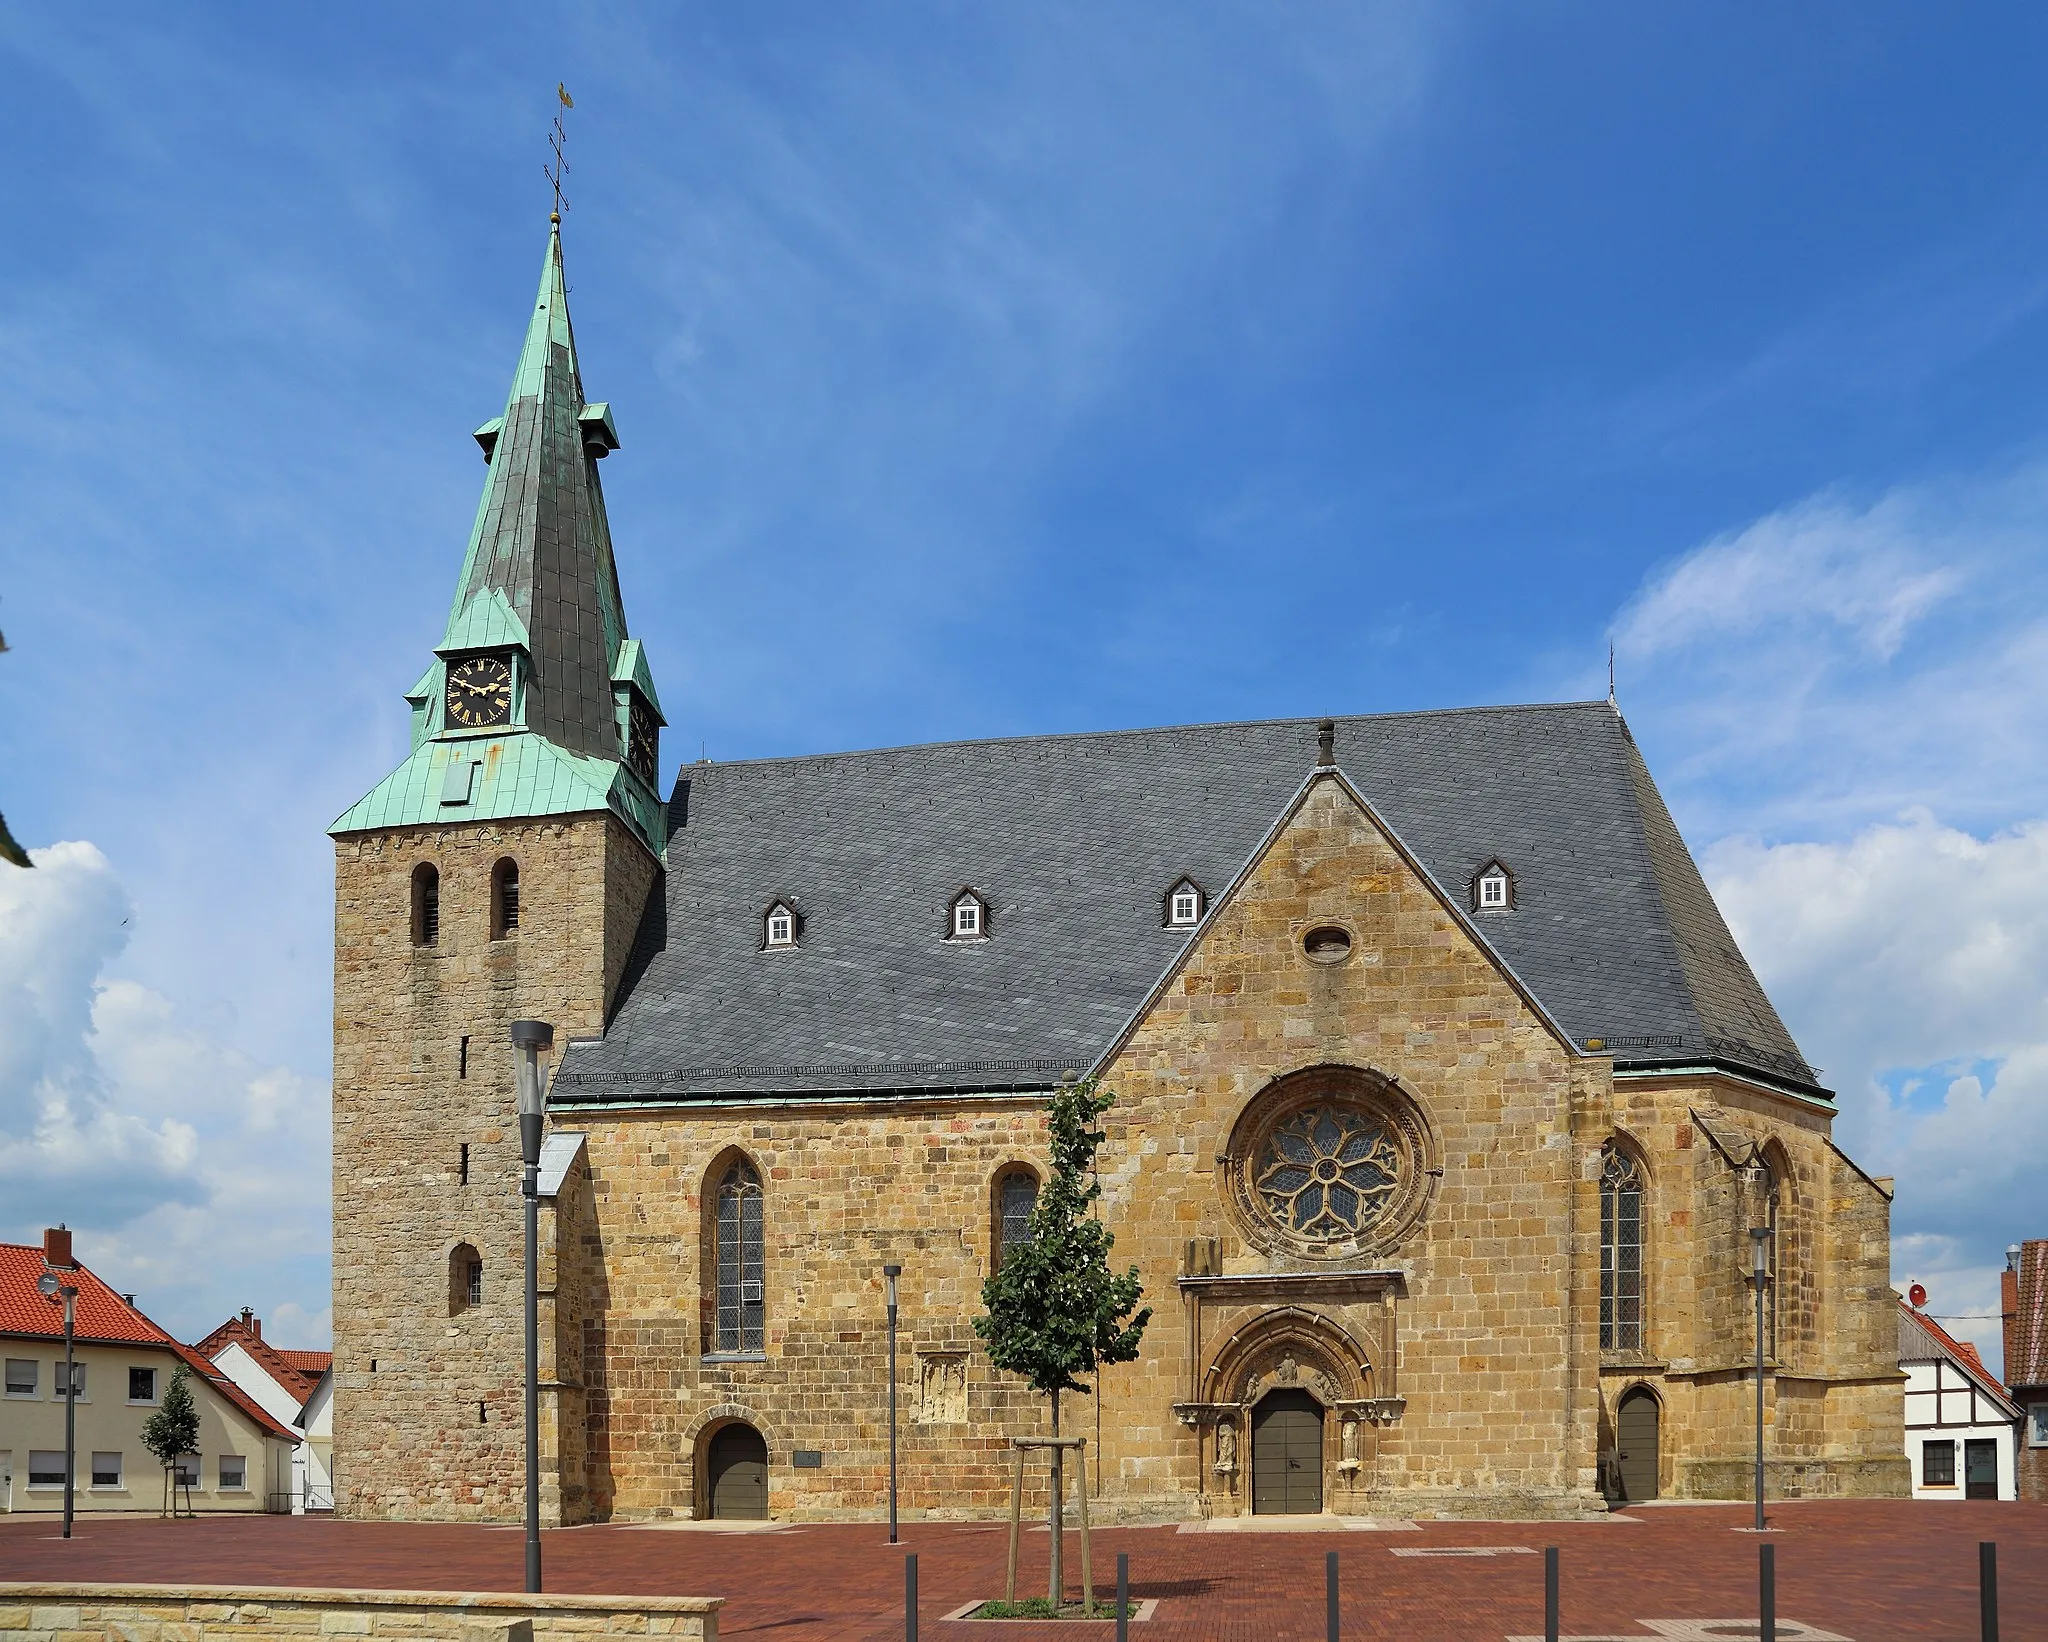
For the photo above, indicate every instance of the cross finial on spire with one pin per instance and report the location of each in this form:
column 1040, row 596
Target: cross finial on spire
column 556, row 138
column 1610, row 674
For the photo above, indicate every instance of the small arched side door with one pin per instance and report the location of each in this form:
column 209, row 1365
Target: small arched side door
column 1635, row 1443
column 736, row 1467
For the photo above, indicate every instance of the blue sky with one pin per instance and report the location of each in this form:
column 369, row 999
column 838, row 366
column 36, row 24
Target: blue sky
column 987, row 371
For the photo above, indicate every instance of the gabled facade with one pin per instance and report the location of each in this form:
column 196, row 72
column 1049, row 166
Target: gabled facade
column 1442, row 1196
column 123, row 1364
column 276, row 1380
column 1960, row 1425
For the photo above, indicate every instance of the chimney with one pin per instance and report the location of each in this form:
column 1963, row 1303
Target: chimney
column 1326, row 744
column 56, row 1246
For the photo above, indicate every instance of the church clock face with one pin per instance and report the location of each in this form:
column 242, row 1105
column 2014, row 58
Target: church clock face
column 480, row 692
column 643, row 740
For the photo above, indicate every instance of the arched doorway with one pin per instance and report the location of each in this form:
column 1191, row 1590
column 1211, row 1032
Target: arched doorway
column 736, row 1472
column 1635, row 1445
column 1287, row 1454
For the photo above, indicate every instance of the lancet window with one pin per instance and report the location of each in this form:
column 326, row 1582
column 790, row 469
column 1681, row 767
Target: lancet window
column 1621, row 1251
column 741, row 1286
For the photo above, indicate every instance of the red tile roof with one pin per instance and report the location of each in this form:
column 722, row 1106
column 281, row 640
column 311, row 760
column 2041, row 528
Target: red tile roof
column 297, row 1372
column 100, row 1314
column 1921, row 1339
column 2026, row 1337
column 102, row 1317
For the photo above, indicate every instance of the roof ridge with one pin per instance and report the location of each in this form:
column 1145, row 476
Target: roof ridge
column 1144, row 730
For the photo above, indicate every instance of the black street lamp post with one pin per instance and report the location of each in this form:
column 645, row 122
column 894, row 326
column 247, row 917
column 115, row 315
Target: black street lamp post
column 531, row 1039
column 890, row 1274
column 52, row 1287
column 1760, row 1275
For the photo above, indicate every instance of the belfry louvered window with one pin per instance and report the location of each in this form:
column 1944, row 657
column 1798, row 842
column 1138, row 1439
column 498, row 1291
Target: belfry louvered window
column 426, row 905
column 741, row 1294
column 1621, row 1251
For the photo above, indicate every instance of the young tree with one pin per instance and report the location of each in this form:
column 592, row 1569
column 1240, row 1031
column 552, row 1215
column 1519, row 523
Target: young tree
column 173, row 1430
column 1055, row 1311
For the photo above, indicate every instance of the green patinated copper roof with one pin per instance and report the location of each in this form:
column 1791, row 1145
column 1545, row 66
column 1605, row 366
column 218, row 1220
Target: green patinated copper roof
column 517, row 775
column 538, row 579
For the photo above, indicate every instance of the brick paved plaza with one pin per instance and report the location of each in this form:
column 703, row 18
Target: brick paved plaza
column 1868, row 1571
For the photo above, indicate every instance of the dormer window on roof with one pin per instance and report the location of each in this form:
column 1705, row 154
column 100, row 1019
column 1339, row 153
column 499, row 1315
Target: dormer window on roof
column 970, row 917
column 779, row 926
column 1493, row 889
column 1184, row 905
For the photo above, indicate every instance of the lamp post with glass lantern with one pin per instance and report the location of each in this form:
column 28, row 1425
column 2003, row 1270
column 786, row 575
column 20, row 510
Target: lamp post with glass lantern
column 532, row 1039
column 889, row 1275
column 53, row 1287
column 1760, row 1275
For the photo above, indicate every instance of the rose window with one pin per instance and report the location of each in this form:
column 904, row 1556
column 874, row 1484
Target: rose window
column 1327, row 1172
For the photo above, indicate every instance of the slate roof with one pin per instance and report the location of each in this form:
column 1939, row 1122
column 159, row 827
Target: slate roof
column 1075, row 840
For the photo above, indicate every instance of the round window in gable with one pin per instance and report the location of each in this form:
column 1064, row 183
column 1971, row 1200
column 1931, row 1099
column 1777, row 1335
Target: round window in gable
column 1327, row 944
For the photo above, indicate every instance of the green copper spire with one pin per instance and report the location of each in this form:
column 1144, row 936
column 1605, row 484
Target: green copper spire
column 539, row 590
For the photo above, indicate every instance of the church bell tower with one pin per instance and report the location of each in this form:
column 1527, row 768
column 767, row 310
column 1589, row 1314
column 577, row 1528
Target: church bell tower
column 499, row 873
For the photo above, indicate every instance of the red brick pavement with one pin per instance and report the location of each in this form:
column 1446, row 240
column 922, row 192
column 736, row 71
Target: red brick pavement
column 1872, row 1571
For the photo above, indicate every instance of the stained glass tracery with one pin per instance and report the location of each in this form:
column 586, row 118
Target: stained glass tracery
column 1328, row 1172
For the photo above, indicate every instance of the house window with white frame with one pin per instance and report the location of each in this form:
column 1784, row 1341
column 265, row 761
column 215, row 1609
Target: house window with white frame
column 106, row 1470
column 77, row 1380
column 234, row 1471
column 970, row 918
column 1494, row 889
column 46, row 1468
column 779, row 929
column 2037, row 1425
column 187, row 1472
column 1183, row 905
column 142, row 1385
column 21, row 1377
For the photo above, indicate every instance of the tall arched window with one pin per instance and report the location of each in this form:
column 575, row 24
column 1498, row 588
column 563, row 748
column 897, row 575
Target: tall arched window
column 1621, row 1250
column 1769, row 1192
column 504, row 899
column 426, row 905
column 1016, row 1197
column 741, row 1296
column 465, row 1279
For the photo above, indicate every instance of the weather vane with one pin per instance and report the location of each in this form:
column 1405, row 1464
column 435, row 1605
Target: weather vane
column 556, row 138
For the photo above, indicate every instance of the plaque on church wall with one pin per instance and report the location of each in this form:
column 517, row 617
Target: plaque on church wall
column 807, row 1459
column 941, row 1388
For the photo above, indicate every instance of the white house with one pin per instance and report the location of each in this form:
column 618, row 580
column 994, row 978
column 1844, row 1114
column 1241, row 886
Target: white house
column 279, row 1381
column 316, row 1419
column 1960, row 1425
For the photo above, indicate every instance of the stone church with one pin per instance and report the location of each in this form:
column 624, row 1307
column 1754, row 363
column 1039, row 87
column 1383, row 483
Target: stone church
column 1445, row 1102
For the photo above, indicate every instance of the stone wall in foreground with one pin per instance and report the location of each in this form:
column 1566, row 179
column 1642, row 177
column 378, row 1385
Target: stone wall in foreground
column 199, row 1613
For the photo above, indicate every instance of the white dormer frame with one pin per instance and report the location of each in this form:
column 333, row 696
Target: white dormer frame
column 781, row 927
column 1185, row 903
column 967, row 917
column 1493, row 887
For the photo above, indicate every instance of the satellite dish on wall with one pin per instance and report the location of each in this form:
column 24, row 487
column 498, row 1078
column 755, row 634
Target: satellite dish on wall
column 1918, row 1295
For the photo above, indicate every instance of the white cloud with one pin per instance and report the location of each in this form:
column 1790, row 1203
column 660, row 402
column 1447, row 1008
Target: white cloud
column 1847, row 698
column 1836, row 663
column 190, row 1174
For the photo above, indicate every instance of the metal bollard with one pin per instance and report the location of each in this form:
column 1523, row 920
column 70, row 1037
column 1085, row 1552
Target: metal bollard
column 1550, row 1593
column 1767, row 1592
column 910, row 1598
column 1987, row 1590
column 1123, row 1596
column 1330, row 1596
